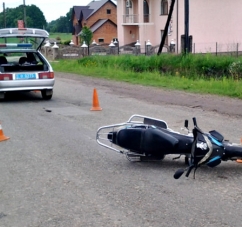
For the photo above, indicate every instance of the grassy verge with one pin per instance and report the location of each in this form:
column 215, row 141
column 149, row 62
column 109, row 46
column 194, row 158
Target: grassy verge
column 193, row 73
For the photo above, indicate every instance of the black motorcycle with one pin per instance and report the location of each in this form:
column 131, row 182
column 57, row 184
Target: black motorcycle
column 143, row 138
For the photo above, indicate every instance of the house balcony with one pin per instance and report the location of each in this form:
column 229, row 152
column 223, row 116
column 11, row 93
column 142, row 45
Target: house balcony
column 135, row 19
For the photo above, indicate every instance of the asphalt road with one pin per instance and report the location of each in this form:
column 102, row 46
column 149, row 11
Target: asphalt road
column 53, row 172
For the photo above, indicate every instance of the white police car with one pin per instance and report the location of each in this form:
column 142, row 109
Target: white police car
column 22, row 66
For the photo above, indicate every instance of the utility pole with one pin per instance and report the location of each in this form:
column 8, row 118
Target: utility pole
column 166, row 27
column 186, row 41
column 25, row 22
column 4, row 15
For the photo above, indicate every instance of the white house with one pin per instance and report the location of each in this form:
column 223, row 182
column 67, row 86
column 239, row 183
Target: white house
column 215, row 25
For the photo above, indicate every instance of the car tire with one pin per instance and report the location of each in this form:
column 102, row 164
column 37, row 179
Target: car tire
column 2, row 95
column 46, row 94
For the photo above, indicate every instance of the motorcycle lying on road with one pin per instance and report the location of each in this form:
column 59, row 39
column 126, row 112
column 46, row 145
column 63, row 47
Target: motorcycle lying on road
column 144, row 138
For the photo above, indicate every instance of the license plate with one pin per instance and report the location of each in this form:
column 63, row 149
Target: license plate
column 25, row 76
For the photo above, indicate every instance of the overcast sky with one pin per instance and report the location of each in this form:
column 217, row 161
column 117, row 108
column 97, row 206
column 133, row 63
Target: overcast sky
column 52, row 9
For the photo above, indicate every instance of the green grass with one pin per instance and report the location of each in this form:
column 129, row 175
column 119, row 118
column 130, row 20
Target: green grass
column 193, row 73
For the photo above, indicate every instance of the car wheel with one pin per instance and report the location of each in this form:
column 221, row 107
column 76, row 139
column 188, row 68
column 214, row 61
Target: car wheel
column 46, row 94
column 2, row 95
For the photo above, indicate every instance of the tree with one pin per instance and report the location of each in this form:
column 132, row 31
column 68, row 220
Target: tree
column 166, row 27
column 36, row 19
column 34, row 16
column 86, row 35
column 62, row 24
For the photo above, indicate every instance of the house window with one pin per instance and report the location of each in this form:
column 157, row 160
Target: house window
column 128, row 4
column 108, row 11
column 146, row 11
column 164, row 7
column 166, row 40
column 127, row 11
column 101, row 40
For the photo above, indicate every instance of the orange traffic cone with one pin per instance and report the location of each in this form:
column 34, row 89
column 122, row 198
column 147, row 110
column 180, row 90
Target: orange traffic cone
column 2, row 136
column 95, row 103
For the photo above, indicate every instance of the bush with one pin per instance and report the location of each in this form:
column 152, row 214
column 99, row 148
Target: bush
column 67, row 42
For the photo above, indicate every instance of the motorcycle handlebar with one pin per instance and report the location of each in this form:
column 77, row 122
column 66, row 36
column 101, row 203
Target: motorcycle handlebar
column 189, row 170
column 234, row 150
column 195, row 125
column 194, row 121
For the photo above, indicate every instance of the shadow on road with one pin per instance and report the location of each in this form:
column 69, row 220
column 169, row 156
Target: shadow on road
column 22, row 96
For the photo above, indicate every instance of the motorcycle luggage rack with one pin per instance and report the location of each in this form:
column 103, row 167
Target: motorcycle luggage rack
column 141, row 119
column 102, row 132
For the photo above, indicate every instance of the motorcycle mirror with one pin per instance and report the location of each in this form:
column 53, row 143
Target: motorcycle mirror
column 178, row 173
column 194, row 121
column 186, row 124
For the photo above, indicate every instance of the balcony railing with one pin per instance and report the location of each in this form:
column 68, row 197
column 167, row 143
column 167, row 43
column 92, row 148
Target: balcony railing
column 134, row 19
column 146, row 18
column 130, row 18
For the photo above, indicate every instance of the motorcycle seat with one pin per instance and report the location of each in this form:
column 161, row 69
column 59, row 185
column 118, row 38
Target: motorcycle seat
column 130, row 138
column 148, row 141
column 156, row 141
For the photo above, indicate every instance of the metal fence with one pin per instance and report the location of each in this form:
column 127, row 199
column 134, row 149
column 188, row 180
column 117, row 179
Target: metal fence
column 232, row 49
column 216, row 48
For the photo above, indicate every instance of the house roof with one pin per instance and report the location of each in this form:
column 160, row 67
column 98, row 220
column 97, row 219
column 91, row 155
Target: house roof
column 98, row 24
column 96, row 5
column 90, row 9
column 82, row 11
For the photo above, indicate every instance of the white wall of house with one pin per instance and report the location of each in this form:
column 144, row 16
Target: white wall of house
column 217, row 21
column 210, row 22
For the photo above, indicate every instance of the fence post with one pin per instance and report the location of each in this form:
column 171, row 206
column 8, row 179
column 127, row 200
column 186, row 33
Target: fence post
column 112, row 47
column 145, row 48
column 84, row 47
column 237, row 50
column 148, row 47
column 55, row 51
column 137, row 47
column 46, row 46
column 216, row 48
column 116, row 43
